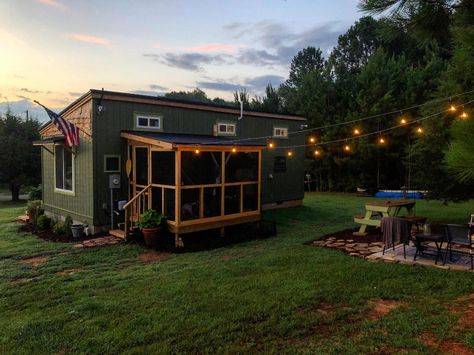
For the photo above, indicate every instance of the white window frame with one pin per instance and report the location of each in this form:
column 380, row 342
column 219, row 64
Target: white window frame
column 106, row 156
column 280, row 128
column 73, row 164
column 226, row 133
column 139, row 116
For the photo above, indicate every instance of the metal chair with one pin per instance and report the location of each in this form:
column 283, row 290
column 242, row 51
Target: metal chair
column 460, row 235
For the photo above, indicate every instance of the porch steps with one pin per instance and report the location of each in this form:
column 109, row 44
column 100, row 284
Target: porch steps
column 117, row 233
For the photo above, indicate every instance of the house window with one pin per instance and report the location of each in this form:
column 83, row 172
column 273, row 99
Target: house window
column 112, row 163
column 280, row 132
column 150, row 122
column 64, row 169
column 226, row 129
column 279, row 165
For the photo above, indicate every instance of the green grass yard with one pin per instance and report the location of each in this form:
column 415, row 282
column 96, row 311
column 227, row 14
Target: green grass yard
column 271, row 295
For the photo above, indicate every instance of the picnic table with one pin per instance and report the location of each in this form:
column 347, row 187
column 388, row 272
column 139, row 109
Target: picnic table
column 375, row 211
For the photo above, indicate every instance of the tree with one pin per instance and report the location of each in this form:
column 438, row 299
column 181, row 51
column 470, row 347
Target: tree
column 20, row 161
column 197, row 95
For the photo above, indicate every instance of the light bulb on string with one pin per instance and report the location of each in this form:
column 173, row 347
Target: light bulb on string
column 464, row 115
column 347, row 148
column 382, row 140
column 271, row 145
column 234, row 150
column 312, row 139
column 290, row 153
column 403, row 120
column 452, row 108
column 356, row 131
column 317, row 152
column 419, row 130
column 196, row 151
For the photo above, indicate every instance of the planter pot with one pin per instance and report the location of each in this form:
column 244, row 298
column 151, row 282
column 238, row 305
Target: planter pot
column 150, row 236
column 31, row 217
column 77, row 230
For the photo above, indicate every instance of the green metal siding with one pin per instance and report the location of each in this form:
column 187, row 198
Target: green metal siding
column 118, row 116
column 80, row 205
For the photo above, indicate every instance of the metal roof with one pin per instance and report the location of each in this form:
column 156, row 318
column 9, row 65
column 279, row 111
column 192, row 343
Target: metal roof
column 197, row 139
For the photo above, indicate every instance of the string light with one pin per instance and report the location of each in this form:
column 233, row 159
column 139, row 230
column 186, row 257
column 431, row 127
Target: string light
column 356, row 131
column 317, row 153
column 452, row 108
column 196, row 151
column 464, row 115
column 382, row 140
column 347, row 148
column 403, row 121
column 290, row 153
column 234, row 150
column 312, row 139
column 270, row 145
column 419, row 130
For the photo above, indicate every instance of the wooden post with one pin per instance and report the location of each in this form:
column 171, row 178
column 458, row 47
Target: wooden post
column 259, row 180
column 177, row 195
column 222, row 182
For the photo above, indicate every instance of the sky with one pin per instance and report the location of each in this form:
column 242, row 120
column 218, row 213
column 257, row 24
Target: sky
column 53, row 51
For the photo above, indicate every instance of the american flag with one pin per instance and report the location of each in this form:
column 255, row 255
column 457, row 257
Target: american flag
column 69, row 130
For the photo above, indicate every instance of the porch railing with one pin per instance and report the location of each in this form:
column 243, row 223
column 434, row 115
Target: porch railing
column 135, row 208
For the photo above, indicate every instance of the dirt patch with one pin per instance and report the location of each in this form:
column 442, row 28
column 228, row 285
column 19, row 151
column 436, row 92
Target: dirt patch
column 152, row 256
column 38, row 260
column 69, row 271
column 380, row 308
column 464, row 308
column 323, row 308
column 50, row 236
column 445, row 346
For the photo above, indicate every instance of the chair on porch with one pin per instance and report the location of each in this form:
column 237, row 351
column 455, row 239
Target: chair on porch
column 459, row 235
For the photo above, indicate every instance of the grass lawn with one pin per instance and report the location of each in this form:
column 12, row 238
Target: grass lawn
column 272, row 295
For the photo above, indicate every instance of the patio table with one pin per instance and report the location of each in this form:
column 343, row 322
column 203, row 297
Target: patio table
column 375, row 211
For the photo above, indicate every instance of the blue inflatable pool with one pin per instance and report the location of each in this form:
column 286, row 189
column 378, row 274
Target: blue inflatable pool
column 399, row 194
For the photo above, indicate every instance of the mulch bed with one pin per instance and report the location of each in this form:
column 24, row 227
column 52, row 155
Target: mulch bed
column 50, row 236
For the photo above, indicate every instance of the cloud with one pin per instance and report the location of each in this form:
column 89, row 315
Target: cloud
column 52, row 3
column 75, row 94
column 19, row 108
column 157, row 87
column 187, row 61
column 254, row 85
column 89, row 39
column 145, row 92
column 214, row 48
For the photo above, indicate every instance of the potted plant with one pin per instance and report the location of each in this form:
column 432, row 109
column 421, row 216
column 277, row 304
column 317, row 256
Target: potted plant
column 151, row 224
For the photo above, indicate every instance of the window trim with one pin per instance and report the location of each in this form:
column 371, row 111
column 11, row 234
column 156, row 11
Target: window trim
column 219, row 133
column 280, row 128
column 119, row 163
column 148, row 116
column 73, row 164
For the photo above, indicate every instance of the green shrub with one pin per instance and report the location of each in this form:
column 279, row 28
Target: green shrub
column 151, row 219
column 59, row 228
column 67, row 224
column 33, row 206
column 43, row 222
column 35, row 193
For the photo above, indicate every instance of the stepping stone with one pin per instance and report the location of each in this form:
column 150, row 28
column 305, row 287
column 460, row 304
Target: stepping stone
column 354, row 254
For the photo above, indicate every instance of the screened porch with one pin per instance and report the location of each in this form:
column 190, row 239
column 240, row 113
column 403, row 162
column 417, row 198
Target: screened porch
column 198, row 182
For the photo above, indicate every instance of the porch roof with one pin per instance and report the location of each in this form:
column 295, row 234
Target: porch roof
column 195, row 139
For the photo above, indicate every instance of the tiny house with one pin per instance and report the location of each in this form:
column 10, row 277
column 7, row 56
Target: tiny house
column 204, row 166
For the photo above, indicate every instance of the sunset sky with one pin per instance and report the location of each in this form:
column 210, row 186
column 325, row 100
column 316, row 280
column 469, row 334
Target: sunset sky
column 55, row 50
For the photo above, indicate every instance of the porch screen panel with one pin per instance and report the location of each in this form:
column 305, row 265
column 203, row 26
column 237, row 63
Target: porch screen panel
column 232, row 200
column 163, row 168
column 67, row 170
column 241, row 166
column 141, row 164
column 169, row 204
column 201, row 169
column 156, row 199
column 190, row 204
column 212, row 201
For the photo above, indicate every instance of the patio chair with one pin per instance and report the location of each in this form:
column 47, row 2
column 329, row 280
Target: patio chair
column 459, row 235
